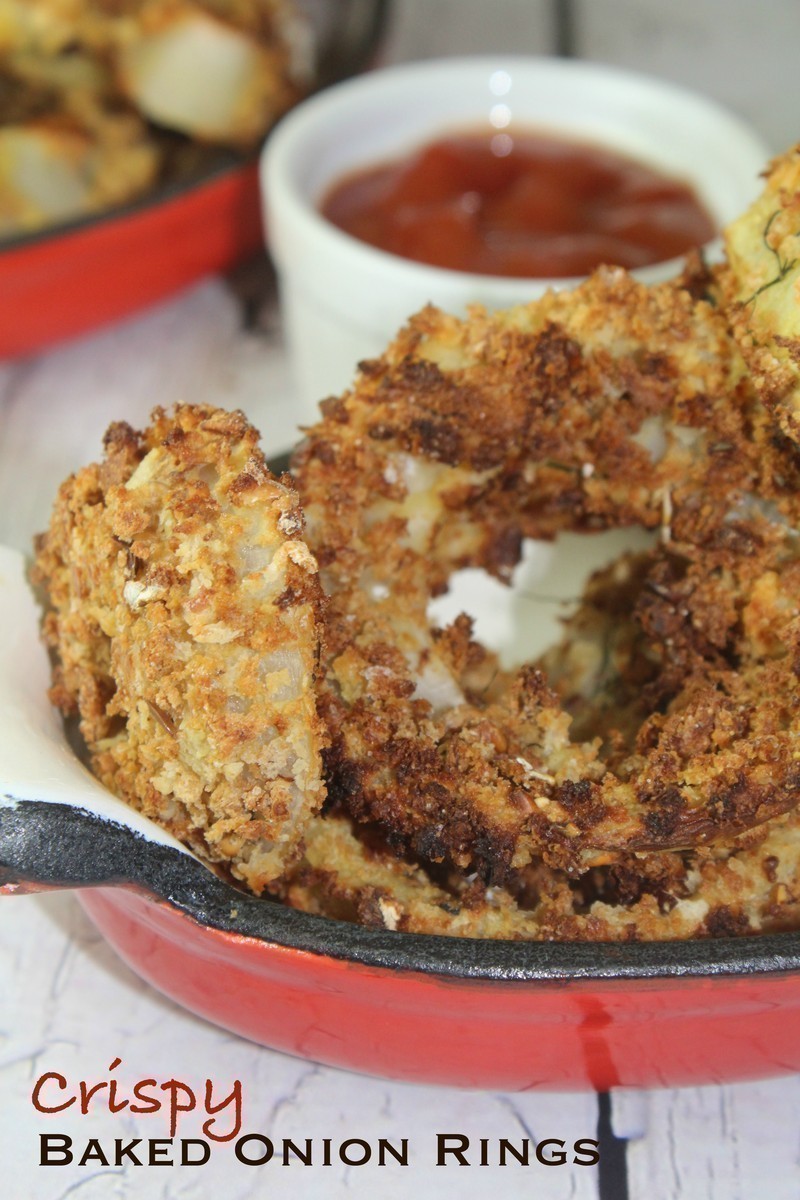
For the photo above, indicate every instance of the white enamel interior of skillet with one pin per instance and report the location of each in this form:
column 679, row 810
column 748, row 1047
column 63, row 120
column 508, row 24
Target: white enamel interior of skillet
column 522, row 621
column 36, row 761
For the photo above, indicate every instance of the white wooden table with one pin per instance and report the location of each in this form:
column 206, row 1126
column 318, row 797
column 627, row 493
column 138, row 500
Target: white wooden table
column 68, row 1005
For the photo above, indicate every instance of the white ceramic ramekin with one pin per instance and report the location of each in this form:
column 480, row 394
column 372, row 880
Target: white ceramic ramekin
column 344, row 300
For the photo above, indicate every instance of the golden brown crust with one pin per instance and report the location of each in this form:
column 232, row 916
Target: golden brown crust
column 751, row 887
column 760, row 284
column 184, row 618
column 614, row 404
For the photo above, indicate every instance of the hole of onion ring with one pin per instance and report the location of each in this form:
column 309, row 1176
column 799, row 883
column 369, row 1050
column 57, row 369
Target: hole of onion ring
column 520, row 622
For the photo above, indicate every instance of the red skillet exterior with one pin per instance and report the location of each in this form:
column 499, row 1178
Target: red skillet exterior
column 56, row 286
column 497, row 1034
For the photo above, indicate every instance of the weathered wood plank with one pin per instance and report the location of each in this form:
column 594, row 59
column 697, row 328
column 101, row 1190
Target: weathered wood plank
column 715, row 1143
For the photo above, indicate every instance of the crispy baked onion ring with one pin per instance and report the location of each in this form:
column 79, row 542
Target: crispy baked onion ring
column 612, row 405
column 753, row 886
column 184, row 614
column 760, row 284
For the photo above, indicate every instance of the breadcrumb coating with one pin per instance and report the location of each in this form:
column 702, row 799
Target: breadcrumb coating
column 753, row 886
column 611, row 405
column 184, row 617
column 761, row 285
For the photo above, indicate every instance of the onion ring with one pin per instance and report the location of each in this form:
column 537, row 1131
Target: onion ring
column 753, row 886
column 760, row 286
column 612, row 405
column 184, row 617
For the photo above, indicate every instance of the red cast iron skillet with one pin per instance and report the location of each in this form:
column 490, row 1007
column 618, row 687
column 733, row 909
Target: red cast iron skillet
column 70, row 278
column 474, row 1013
column 480, row 1014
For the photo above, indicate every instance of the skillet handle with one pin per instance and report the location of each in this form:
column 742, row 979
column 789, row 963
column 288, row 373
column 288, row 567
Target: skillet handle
column 47, row 845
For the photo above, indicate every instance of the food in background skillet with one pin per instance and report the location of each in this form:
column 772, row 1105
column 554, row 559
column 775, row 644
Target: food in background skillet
column 218, row 70
column 100, row 100
column 641, row 779
column 64, row 157
column 184, row 607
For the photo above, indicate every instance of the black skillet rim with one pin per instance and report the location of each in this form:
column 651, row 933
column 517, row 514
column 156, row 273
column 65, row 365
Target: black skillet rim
column 57, row 845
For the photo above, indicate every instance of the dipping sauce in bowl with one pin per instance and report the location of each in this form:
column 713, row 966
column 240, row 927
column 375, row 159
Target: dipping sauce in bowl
column 519, row 203
column 344, row 297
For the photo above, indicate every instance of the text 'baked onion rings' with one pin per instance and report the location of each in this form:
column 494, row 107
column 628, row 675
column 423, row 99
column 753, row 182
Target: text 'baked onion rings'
column 615, row 404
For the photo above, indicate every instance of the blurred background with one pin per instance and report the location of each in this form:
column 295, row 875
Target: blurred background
column 743, row 54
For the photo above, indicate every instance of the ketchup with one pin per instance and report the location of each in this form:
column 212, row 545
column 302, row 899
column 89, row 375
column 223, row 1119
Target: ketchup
column 519, row 203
